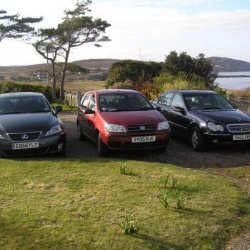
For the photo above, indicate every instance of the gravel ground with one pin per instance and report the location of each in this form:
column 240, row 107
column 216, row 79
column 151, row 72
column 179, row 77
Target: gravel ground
column 180, row 153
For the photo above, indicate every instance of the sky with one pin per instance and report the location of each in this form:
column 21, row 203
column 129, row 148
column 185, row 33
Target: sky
column 145, row 30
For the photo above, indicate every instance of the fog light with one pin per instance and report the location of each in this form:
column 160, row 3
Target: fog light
column 60, row 146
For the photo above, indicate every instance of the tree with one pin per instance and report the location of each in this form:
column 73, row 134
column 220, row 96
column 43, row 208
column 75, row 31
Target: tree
column 205, row 69
column 76, row 29
column 137, row 72
column 189, row 67
column 14, row 26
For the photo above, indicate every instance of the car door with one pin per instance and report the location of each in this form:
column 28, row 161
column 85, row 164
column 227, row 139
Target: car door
column 179, row 119
column 90, row 117
column 82, row 119
column 163, row 103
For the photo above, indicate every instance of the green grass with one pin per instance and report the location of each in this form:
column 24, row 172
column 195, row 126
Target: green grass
column 83, row 86
column 80, row 204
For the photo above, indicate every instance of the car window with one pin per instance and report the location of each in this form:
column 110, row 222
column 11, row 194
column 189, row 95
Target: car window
column 178, row 101
column 23, row 104
column 222, row 102
column 92, row 102
column 200, row 101
column 85, row 100
column 123, row 102
column 166, row 99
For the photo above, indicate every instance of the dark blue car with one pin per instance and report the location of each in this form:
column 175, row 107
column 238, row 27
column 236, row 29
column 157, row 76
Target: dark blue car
column 29, row 126
column 204, row 117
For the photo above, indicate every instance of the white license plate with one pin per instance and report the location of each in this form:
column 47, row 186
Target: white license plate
column 25, row 145
column 241, row 137
column 140, row 139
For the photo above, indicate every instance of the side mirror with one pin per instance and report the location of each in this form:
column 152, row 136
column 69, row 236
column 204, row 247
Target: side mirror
column 179, row 109
column 89, row 111
column 158, row 108
column 58, row 109
column 235, row 106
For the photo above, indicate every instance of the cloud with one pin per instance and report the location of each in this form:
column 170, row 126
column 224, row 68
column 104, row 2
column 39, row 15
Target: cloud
column 149, row 30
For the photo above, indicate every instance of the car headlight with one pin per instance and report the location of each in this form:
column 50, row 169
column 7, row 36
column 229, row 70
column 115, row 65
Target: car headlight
column 215, row 127
column 115, row 128
column 163, row 125
column 54, row 130
column 1, row 137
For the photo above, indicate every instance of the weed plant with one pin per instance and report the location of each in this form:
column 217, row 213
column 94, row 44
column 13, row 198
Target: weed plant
column 129, row 226
column 125, row 170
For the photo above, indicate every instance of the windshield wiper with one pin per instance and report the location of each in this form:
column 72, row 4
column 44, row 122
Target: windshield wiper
column 145, row 109
column 10, row 113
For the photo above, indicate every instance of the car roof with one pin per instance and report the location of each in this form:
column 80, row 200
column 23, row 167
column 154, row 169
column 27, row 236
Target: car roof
column 20, row 94
column 111, row 91
column 188, row 91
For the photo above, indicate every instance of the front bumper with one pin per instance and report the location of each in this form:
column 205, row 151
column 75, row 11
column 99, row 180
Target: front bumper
column 47, row 145
column 124, row 141
column 213, row 138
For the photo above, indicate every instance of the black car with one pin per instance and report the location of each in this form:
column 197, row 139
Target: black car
column 204, row 117
column 29, row 126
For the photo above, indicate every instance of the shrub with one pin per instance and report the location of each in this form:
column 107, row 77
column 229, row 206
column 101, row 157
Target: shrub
column 7, row 87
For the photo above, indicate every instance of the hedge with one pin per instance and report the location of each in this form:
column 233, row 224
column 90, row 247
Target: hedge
column 8, row 87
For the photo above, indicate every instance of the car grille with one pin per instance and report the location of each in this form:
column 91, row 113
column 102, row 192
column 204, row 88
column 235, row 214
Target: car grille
column 30, row 136
column 238, row 128
column 141, row 128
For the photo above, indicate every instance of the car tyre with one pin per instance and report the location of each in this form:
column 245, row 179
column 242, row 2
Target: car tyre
column 101, row 147
column 80, row 134
column 197, row 139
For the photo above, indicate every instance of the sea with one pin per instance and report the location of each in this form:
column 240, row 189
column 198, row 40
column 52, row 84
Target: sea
column 234, row 80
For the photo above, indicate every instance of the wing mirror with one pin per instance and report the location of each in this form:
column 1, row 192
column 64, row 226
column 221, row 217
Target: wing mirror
column 179, row 109
column 57, row 109
column 89, row 111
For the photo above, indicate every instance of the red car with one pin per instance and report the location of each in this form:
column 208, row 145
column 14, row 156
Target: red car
column 118, row 119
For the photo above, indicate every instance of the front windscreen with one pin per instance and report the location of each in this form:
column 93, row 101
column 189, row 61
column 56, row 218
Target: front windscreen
column 201, row 101
column 13, row 105
column 113, row 102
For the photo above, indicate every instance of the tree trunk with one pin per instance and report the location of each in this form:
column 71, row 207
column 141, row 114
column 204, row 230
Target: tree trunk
column 64, row 69
column 53, row 89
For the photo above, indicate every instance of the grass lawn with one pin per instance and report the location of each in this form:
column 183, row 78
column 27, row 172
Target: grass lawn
column 79, row 204
column 83, row 86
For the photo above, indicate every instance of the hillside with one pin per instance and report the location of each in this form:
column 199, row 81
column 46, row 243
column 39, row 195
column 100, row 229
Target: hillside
column 223, row 64
column 99, row 67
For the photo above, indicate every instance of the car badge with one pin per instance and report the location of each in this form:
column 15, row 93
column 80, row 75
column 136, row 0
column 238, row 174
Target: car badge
column 142, row 127
column 24, row 137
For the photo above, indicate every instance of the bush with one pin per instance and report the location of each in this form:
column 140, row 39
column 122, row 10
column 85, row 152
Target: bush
column 7, row 87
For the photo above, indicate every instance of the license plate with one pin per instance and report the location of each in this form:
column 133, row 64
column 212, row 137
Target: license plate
column 140, row 139
column 25, row 145
column 241, row 137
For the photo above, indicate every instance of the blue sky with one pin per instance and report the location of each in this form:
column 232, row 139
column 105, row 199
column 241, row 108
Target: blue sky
column 145, row 29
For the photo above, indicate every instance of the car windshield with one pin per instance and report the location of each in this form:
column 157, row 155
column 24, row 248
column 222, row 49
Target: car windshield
column 115, row 102
column 201, row 101
column 15, row 105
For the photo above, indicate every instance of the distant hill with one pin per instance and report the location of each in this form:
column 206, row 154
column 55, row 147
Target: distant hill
column 223, row 64
column 101, row 66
